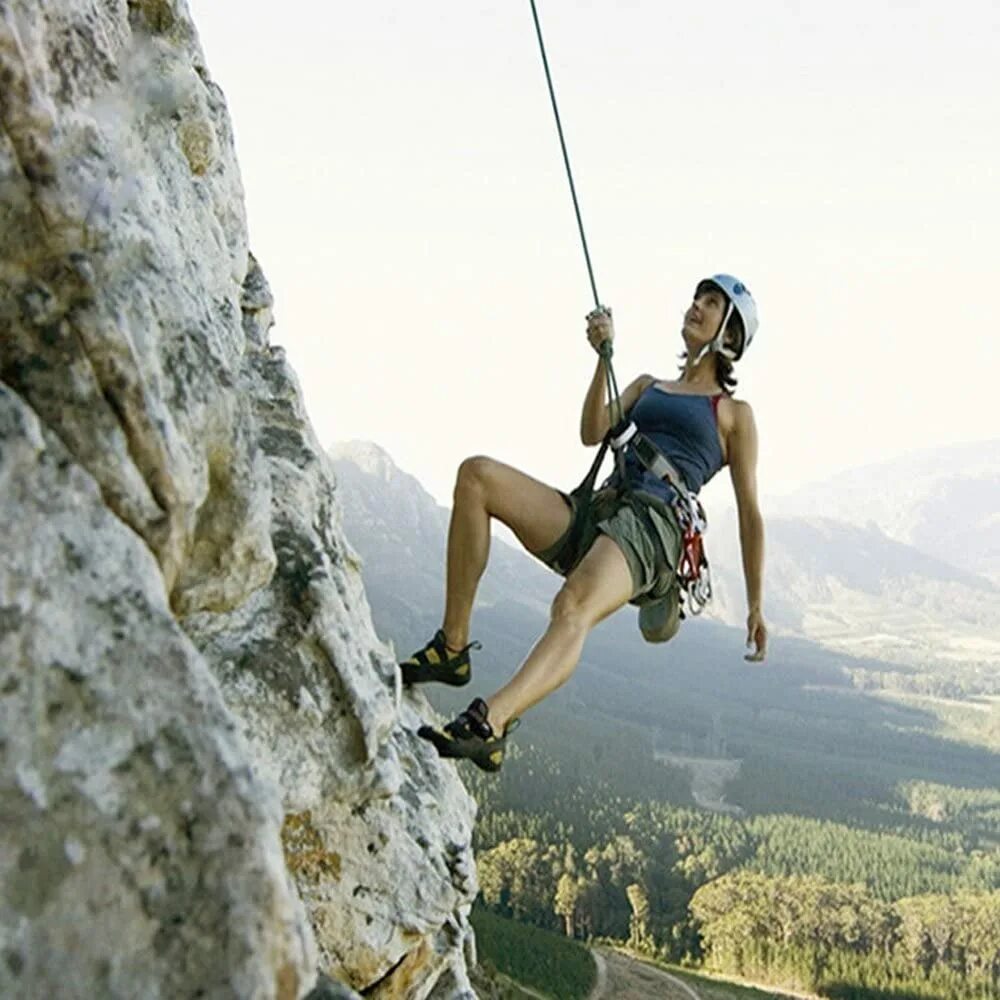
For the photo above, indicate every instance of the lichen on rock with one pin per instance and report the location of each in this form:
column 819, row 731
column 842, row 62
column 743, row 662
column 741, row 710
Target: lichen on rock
column 209, row 777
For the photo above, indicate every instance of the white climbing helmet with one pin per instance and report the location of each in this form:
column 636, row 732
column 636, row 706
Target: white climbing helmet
column 742, row 302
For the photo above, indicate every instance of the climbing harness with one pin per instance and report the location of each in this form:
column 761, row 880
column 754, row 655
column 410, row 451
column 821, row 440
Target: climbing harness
column 692, row 569
column 693, row 572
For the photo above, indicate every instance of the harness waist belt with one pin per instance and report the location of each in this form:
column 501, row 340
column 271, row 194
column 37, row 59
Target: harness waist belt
column 658, row 463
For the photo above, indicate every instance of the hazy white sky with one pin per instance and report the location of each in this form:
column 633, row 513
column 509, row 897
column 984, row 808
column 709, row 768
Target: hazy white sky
column 407, row 201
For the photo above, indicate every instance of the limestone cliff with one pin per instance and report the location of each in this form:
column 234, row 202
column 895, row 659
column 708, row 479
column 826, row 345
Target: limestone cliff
column 210, row 783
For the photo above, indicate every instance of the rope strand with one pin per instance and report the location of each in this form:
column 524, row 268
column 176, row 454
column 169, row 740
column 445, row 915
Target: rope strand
column 562, row 143
column 606, row 351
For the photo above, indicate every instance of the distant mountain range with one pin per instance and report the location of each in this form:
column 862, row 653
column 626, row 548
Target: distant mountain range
column 897, row 562
column 943, row 501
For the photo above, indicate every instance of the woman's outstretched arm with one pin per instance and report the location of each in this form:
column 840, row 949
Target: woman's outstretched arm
column 743, row 470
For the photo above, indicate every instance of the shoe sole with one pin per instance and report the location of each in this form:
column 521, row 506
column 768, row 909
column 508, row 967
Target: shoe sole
column 453, row 678
column 452, row 749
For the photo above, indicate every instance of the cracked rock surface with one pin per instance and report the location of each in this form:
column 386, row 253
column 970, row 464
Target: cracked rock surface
column 209, row 779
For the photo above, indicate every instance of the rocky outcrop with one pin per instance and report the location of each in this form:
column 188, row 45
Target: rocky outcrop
column 209, row 779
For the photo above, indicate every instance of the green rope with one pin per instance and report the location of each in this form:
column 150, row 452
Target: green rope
column 562, row 143
column 614, row 400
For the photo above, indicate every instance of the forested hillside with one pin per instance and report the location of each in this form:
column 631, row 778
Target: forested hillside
column 910, row 910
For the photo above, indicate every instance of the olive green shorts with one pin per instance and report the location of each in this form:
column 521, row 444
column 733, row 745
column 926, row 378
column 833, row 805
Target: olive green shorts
column 643, row 527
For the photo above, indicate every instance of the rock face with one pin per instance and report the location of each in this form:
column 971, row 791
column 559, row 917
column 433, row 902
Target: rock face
column 209, row 779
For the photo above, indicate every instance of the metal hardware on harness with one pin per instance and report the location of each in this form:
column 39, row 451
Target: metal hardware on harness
column 693, row 570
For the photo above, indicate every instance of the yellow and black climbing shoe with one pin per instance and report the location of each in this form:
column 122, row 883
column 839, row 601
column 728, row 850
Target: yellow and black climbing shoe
column 436, row 662
column 471, row 736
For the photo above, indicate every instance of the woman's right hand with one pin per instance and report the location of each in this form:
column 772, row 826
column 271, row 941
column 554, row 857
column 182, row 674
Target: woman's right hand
column 600, row 328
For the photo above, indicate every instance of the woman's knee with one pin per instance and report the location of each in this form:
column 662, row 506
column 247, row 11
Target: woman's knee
column 535, row 512
column 474, row 474
column 570, row 609
column 600, row 584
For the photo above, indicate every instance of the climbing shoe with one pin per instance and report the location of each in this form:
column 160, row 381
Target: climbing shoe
column 470, row 736
column 436, row 662
column 659, row 620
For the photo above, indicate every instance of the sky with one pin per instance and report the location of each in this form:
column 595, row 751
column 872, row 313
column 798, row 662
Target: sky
column 407, row 200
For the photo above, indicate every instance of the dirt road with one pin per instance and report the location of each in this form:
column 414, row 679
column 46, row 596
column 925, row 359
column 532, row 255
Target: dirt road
column 622, row 978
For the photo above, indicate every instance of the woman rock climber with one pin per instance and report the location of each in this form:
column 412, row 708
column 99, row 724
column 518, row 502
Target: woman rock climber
column 626, row 544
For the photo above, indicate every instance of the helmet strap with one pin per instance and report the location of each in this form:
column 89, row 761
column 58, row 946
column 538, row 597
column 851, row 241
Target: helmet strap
column 717, row 345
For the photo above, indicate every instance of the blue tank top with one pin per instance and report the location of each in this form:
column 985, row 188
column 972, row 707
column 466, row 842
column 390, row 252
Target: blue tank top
column 684, row 428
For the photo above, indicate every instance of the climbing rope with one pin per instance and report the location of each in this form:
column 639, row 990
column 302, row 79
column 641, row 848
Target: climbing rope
column 562, row 143
column 606, row 351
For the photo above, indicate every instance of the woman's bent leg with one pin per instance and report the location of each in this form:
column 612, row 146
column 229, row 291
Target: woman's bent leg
column 485, row 488
column 599, row 585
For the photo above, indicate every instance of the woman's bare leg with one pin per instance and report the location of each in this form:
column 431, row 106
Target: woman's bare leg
column 599, row 585
column 485, row 488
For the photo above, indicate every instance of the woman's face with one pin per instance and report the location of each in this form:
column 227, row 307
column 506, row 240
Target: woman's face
column 704, row 316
